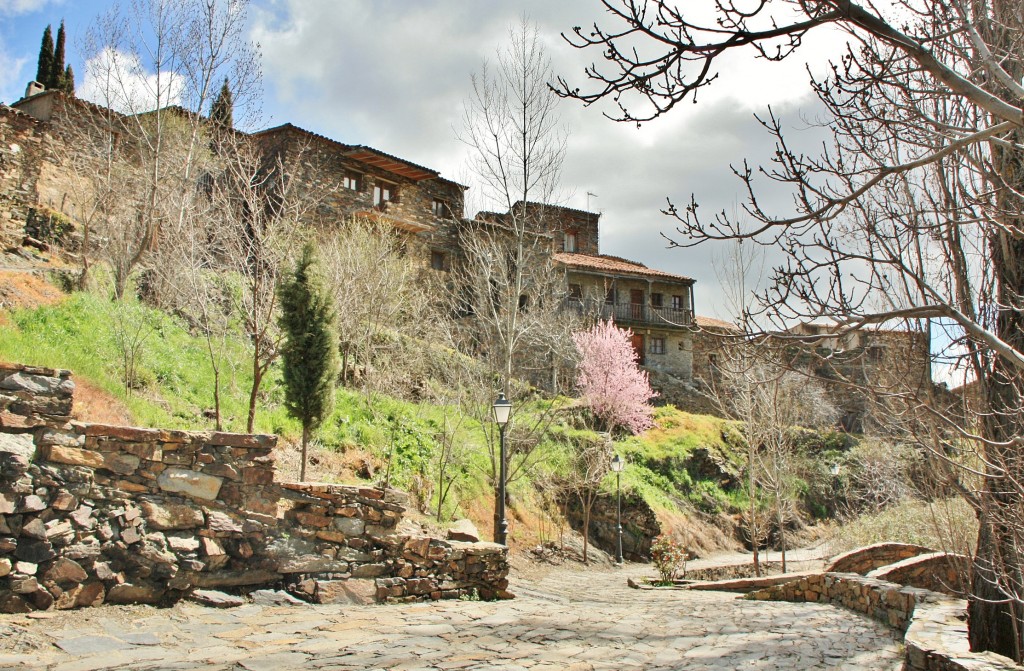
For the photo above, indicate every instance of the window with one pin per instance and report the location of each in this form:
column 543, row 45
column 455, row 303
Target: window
column 437, row 260
column 677, row 303
column 441, row 209
column 351, row 180
column 656, row 300
column 657, row 345
column 569, row 241
column 610, row 296
column 576, row 292
column 383, row 193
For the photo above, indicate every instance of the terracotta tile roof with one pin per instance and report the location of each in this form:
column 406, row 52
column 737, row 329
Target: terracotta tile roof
column 14, row 111
column 614, row 265
column 711, row 322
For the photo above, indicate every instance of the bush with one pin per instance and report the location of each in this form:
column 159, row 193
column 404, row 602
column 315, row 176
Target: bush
column 668, row 557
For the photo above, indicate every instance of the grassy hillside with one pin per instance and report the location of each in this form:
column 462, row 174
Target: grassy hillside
column 685, row 462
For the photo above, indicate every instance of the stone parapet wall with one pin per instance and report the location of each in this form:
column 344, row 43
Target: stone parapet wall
column 91, row 513
column 866, row 559
column 935, row 571
column 933, row 624
column 886, row 602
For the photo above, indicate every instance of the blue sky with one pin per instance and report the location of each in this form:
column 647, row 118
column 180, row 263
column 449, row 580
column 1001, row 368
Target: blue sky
column 393, row 74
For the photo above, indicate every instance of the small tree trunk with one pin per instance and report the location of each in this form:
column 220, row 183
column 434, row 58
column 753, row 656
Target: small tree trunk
column 586, row 526
column 305, row 445
column 216, row 398
column 257, row 379
column 754, row 532
column 782, row 537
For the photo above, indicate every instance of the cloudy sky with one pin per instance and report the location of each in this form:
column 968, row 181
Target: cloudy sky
column 393, row 74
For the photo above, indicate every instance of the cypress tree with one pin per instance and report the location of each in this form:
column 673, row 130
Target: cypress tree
column 309, row 356
column 67, row 84
column 45, row 68
column 57, row 66
column 222, row 111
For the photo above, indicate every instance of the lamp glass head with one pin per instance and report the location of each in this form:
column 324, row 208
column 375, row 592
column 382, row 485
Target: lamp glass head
column 502, row 409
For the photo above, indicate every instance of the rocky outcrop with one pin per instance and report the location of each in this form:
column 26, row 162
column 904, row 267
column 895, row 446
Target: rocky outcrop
column 640, row 525
column 92, row 513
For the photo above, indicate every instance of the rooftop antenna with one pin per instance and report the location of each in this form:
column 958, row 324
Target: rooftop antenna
column 589, row 194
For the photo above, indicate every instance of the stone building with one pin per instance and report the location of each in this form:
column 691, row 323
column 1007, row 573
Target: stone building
column 657, row 306
column 344, row 180
column 885, row 359
column 711, row 337
column 356, row 180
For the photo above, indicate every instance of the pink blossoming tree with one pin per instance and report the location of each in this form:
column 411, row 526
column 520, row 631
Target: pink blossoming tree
column 610, row 381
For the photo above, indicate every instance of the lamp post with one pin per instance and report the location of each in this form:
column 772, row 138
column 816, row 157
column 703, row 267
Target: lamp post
column 617, row 465
column 501, row 410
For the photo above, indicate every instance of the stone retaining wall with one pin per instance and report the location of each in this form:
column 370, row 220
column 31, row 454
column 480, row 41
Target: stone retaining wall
column 92, row 513
column 740, row 571
column 933, row 624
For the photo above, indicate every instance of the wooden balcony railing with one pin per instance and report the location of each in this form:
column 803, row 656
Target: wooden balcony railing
column 634, row 313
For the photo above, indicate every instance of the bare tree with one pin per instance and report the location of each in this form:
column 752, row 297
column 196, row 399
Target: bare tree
column 385, row 299
column 912, row 216
column 505, row 284
column 510, row 126
column 254, row 229
column 153, row 66
column 589, row 463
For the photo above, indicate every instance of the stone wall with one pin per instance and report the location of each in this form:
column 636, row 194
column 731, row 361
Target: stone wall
column 91, row 513
column 21, row 147
column 935, row 571
column 640, row 525
column 935, row 634
column 866, row 559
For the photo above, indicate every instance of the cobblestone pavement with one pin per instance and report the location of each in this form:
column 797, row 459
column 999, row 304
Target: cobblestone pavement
column 578, row 620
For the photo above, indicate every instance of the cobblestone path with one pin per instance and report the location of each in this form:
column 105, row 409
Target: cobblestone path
column 587, row 620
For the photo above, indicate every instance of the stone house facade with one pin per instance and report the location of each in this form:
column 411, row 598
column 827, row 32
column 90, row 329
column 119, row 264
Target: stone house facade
column 890, row 360
column 885, row 359
column 657, row 306
column 356, row 180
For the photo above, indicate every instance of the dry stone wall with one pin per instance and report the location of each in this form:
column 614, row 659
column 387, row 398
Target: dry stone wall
column 92, row 513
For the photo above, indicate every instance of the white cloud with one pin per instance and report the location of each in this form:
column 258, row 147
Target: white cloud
column 119, row 80
column 17, row 7
column 393, row 75
column 11, row 79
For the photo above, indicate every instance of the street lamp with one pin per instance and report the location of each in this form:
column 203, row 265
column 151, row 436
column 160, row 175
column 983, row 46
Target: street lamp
column 501, row 410
column 618, row 463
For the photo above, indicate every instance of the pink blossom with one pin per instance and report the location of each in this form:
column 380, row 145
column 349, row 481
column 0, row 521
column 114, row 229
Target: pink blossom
column 610, row 382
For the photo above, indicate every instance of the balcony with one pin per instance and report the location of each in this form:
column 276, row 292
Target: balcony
column 627, row 314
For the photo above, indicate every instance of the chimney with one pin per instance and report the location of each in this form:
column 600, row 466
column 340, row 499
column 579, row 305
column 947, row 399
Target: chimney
column 33, row 88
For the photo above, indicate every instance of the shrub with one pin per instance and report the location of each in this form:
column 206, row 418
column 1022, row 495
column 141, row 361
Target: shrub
column 668, row 557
